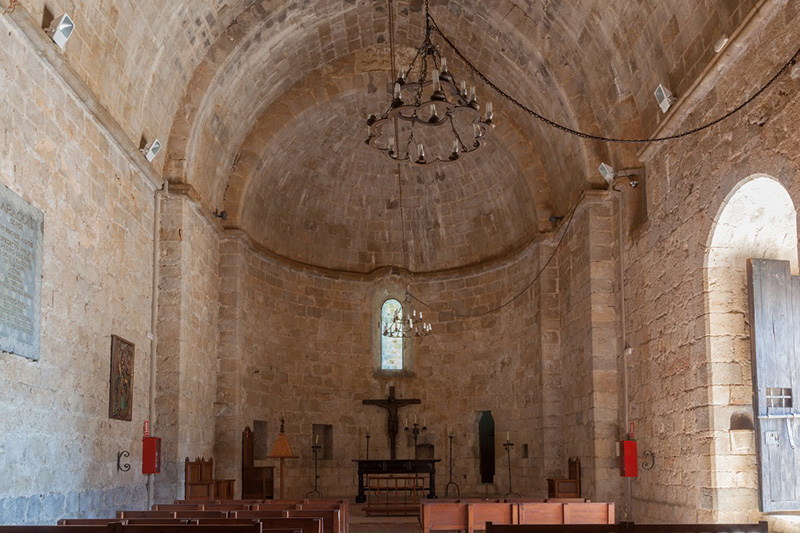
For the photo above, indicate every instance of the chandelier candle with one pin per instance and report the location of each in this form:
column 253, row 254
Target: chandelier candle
column 425, row 97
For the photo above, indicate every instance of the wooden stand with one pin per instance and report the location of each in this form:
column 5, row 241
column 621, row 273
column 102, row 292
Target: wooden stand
column 283, row 478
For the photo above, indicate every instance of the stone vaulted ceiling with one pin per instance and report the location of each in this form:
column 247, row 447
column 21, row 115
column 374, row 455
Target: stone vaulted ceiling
column 263, row 102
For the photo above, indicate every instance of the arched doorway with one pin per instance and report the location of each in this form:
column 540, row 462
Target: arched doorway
column 757, row 220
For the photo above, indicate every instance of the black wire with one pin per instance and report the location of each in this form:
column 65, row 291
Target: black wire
column 430, row 20
column 589, row 136
column 568, row 223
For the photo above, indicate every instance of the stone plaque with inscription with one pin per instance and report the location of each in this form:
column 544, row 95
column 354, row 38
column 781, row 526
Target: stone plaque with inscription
column 21, row 235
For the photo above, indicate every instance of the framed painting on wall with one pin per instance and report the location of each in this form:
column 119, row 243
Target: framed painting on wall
column 120, row 396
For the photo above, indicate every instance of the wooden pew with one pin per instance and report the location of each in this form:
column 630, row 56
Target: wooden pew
column 117, row 527
column 589, row 513
column 146, row 514
column 99, row 528
column 270, row 516
column 499, row 513
column 93, row 521
column 342, row 505
column 541, row 513
column 437, row 514
column 760, row 527
column 201, row 514
column 556, row 528
column 331, row 520
column 628, row 527
column 177, row 506
column 224, row 521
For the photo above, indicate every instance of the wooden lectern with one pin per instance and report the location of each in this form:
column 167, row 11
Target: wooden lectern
column 281, row 450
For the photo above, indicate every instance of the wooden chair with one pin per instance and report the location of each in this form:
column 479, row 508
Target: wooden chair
column 570, row 487
column 257, row 481
column 200, row 484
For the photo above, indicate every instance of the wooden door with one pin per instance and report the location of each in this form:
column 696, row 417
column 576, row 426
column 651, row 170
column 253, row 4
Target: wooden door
column 775, row 355
column 486, row 442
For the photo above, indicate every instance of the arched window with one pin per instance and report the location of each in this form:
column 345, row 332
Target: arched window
column 391, row 347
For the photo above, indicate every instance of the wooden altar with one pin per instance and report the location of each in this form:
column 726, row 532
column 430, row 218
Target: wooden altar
column 396, row 466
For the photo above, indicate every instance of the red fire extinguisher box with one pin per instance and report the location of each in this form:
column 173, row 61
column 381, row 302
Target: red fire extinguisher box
column 628, row 465
column 151, row 455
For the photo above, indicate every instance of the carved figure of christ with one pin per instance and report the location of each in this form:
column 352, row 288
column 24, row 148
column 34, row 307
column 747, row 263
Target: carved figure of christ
column 392, row 404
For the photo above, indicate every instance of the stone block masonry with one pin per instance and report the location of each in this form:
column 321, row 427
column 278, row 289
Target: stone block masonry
column 58, row 448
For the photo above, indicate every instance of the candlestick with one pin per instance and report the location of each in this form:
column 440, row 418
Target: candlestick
column 315, row 450
column 451, row 483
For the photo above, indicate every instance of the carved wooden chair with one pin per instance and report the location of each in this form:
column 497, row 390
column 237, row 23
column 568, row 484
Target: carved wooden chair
column 257, row 481
column 200, row 484
column 570, row 487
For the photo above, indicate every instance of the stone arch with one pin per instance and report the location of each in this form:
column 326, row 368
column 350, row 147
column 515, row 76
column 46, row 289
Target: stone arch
column 758, row 219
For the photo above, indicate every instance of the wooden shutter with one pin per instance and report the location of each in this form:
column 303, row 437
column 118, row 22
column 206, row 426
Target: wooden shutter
column 775, row 349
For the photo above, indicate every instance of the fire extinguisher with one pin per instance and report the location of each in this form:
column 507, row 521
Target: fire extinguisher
column 628, row 462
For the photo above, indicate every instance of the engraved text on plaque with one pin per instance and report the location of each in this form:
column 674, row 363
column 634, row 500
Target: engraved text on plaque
column 21, row 235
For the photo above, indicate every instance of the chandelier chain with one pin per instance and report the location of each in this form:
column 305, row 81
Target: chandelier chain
column 590, row 136
column 404, row 246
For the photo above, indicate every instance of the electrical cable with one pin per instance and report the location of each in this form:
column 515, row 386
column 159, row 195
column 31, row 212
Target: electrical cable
column 517, row 295
column 590, row 136
column 430, row 20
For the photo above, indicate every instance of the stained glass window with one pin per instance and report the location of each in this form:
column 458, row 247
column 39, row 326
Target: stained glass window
column 391, row 347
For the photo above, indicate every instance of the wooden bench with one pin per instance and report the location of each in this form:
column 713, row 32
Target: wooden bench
column 478, row 514
column 627, row 527
column 472, row 515
column 122, row 527
column 307, row 525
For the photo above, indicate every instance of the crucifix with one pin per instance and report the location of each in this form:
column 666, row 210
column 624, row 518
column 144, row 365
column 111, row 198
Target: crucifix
column 391, row 404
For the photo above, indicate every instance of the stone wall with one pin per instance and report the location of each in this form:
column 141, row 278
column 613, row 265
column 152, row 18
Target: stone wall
column 307, row 340
column 187, row 341
column 58, row 448
column 589, row 330
column 679, row 386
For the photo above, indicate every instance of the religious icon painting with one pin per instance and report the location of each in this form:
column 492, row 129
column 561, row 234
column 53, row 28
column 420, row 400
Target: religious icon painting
column 120, row 396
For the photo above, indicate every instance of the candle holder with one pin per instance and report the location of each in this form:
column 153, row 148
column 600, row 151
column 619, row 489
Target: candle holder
column 415, row 430
column 315, row 448
column 451, row 482
column 508, row 445
column 368, row 437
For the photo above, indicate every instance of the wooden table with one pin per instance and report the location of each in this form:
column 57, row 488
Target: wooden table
column 396, row 466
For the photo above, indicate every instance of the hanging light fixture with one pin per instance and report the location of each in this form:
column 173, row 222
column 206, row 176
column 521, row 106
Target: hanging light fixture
column 406, row 322
column 429, row 119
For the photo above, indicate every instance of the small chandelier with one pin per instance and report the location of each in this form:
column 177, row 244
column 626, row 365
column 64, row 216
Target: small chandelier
column 406, row 323
column 429, row 120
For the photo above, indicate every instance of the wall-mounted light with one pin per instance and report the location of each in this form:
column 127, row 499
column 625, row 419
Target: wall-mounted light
column 607, row 171
column 60, row 30
column 610, row 174
column 151, row 150
column 221, row 214
column 555, row 219
column 664, row 97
